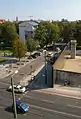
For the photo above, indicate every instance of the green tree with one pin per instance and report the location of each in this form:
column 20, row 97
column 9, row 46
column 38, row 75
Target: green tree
column 31, row 44
column 19, row 48
column 8, row 33
column 40, row 34
column 47, row 32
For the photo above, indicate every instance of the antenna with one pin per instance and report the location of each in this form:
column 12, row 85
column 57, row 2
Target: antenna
column 30, row 17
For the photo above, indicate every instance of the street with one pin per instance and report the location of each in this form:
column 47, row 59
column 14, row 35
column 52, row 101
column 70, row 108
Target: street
column 25, row 70
column 41, row 105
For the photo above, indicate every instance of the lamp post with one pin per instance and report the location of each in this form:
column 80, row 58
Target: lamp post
column 45, row 67
column 13, row 95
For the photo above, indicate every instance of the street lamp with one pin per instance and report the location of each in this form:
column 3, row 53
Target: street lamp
column 13, row 95
column 45, row 67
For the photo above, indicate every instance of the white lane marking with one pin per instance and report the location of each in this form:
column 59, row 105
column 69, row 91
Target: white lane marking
column 55, row 111
column 48, row 101
column 2, row 107
column 73, row 106
column 5, row 83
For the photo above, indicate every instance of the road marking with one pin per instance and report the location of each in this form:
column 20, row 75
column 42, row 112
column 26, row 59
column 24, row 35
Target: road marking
column 73, row 106
column 48, row 101
column 5, row 83
column 2, row 107
column 55, row 111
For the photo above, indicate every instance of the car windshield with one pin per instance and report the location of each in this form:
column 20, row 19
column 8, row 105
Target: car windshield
column 22, row 105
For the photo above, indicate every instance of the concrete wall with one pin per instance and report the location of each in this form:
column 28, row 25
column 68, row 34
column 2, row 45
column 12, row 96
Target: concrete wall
column 59, row 75
column 74, row 78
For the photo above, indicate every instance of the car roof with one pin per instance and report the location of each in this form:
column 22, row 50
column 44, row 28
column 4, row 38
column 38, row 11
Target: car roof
column 21, row 103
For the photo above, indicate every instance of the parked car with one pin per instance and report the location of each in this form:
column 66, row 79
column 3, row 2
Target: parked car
column 17, row 89
column 50, row 54
column 54, row 58
column 21, row 107
column 36, row 54
column 30, row 57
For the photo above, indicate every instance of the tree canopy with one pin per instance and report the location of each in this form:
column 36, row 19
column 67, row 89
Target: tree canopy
column 7, row 33
column 31, row 44
column 19, row 48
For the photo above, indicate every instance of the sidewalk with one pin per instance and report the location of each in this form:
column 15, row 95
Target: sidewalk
column 63, row 91
column 27, row 78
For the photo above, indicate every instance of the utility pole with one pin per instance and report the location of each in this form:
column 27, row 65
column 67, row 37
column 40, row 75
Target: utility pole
column 31, row 71
column 13, row 97
column 45, row 67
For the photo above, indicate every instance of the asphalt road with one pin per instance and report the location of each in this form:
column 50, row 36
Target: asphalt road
column 25, row 70
column 41, row 106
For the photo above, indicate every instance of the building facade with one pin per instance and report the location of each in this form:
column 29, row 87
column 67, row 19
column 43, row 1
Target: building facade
column 27, row 28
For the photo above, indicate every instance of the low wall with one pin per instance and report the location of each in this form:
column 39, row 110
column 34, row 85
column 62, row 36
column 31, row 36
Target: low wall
column 61, row 59
column 74, row 78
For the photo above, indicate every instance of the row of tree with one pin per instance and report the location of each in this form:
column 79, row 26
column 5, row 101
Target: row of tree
column 46, row 33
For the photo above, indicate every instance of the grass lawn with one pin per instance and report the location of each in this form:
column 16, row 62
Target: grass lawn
column 6, row 51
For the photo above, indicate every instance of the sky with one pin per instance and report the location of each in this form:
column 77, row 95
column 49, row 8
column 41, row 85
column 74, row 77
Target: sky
column 40, row 9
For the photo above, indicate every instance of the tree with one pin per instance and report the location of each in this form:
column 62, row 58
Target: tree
column 19, row 48
column 31, row 44
column 40, row 34
column 8, row 33
column 47, row 32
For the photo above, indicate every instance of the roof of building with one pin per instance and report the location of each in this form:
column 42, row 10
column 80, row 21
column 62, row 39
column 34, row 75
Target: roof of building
column 32, row 22
column 72, row 65
column 2, row 20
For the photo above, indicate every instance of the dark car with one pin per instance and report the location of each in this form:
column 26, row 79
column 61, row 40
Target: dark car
column 21, row 107
column 36, row 54
column 54, row 58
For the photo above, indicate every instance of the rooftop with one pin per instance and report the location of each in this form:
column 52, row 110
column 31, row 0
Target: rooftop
column 73, row 65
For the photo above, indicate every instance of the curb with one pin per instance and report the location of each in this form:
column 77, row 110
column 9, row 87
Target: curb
column 61, row 93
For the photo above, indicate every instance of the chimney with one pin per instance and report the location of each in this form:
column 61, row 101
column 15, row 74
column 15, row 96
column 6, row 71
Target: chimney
column 73, row 49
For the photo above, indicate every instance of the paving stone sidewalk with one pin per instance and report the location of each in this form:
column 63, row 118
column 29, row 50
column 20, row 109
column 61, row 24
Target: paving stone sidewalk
column 64, row 91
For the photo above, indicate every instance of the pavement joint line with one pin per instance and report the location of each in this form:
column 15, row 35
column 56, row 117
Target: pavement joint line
column 60, row 94
column 55, row 111
column 51, row 102
column 73, row 106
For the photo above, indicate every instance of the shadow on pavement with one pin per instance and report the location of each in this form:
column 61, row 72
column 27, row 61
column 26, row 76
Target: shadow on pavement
column 38, row 81
column 9, row 109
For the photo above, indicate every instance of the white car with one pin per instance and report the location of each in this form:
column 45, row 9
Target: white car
column 50, row 54
column 17, row 88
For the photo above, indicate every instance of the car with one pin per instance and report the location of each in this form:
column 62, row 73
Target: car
column 30, row 57
column 50, row 54
column 17, row 89
column 36, row 54
column 20, row 107
column 54, row 58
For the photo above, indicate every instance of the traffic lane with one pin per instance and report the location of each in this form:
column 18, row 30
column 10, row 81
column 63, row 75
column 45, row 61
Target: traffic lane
column 53, row 106
column 8, row 114
column 35, row 113
column 47, row 113
column 54, row 98
column 24, row 71
column 27, row 69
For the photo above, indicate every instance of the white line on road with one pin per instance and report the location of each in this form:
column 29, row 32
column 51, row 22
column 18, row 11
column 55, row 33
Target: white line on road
column 5, row 83
column 55, row 111
column 73, row 106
